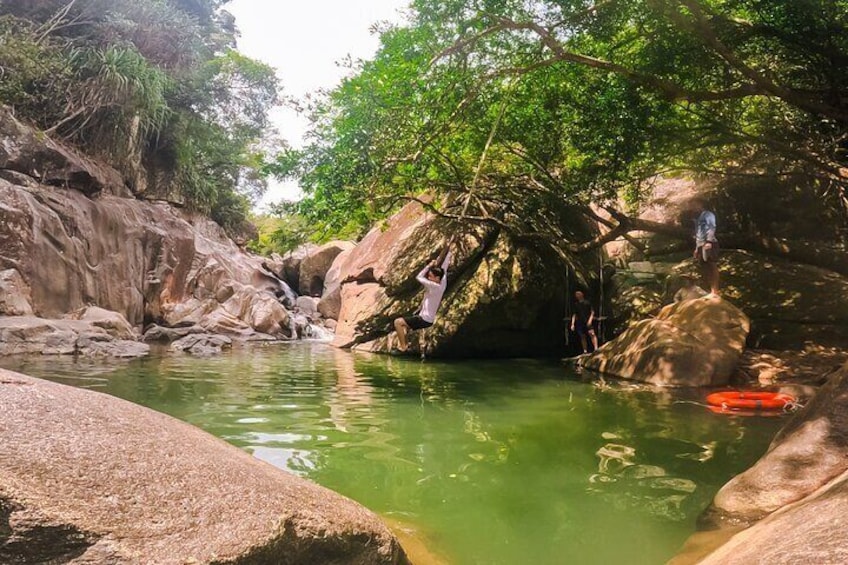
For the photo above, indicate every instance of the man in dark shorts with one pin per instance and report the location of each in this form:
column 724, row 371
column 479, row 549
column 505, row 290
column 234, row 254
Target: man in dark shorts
column 434, row 279
column 706, row 245
column 582, row 321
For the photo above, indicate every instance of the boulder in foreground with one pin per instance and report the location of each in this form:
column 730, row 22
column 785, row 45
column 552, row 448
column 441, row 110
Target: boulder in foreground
column 89, row 478
column 810, row 451
column 800, row 485
column 691, row 343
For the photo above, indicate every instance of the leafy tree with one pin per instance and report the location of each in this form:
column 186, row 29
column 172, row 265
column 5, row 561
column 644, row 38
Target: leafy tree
column 506, row 109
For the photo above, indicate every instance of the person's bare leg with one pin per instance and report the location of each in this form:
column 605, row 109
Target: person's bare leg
column 712, row 275
column 594, row 337
column 401, row 328
column 583, row 342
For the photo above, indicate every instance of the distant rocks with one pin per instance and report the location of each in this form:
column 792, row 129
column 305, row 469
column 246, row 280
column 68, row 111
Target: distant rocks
column 692, row 343
column 31, row 335
column 316, row 264
column 202, row 344
column 89, row 478
column 73, row 236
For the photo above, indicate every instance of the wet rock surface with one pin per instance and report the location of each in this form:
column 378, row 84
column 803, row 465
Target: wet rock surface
column 202, row 344
column 89, row 478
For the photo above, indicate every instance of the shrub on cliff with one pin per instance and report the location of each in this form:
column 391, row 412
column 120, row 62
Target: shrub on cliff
column 155, row 84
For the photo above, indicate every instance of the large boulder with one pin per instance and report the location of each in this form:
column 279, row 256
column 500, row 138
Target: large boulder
column 691, row 343
column 331, row 298
column 314, row 266
column 89, row 478
column 288, row 267
column 504, row 297
column 112, row 322
column 790, row 304
column 807, row 532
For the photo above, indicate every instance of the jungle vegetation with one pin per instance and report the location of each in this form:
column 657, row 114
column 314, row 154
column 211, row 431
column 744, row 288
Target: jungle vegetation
column 156, row 87
column 508, row 108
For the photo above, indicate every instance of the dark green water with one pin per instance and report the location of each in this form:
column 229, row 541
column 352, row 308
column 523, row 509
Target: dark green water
column 501, row 462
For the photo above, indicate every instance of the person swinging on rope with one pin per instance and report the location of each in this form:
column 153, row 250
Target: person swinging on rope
column 434, row 279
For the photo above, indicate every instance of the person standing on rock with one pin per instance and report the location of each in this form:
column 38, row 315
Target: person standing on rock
column 582, row 321
column 706, row 245
column 434, row 279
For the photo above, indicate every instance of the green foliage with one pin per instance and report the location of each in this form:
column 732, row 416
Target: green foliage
column 155, row 82
column 583, row 101
column 31, row 71
column 281, row 231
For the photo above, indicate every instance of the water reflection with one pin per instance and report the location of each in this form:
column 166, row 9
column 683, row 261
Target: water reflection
column 500, row 462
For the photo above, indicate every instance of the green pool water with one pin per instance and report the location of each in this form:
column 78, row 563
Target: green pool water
column 495, row 462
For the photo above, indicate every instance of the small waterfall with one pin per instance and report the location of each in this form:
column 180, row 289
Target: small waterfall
column 315, row 332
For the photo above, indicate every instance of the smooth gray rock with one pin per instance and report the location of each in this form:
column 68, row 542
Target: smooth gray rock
column 30, row 335
column 88, row 478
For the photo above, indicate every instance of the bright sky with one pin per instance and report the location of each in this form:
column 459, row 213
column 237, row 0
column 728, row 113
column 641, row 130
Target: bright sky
column 303, row 40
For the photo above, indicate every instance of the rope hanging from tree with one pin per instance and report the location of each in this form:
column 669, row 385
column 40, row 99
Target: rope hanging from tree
column 485, row 152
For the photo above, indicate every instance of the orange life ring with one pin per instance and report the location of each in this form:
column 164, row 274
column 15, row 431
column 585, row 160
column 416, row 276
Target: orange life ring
column 734, row 400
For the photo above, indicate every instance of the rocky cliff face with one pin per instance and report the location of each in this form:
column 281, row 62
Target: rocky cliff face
column 70, row 237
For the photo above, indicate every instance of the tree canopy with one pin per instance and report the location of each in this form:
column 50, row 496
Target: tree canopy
column 148, row 84
column 517, row 106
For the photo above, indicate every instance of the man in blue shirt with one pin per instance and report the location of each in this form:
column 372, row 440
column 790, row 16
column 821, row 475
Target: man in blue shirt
column 706, row 245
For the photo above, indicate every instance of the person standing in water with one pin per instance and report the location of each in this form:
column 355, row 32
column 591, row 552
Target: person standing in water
column 582, row 321
column 706, row 245
column 434, row 279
